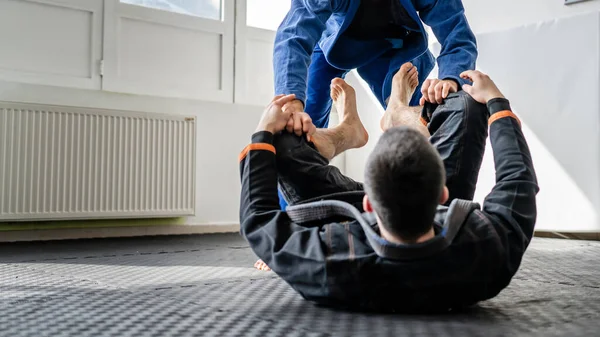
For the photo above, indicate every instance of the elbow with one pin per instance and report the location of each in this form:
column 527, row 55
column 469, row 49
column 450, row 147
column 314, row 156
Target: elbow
column 248, row 225
column 254, row 221
column 456, row 33
column 292, row 39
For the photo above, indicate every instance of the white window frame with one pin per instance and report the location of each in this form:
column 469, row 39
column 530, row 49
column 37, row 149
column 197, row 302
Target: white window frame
column 94, row 81
column 244, row 34
column 114, row 10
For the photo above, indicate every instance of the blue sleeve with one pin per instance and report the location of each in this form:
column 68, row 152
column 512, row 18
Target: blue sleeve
column 295, row 41
column 449, row 24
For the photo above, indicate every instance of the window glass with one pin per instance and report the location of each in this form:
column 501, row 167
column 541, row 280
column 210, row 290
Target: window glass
column 266, row 14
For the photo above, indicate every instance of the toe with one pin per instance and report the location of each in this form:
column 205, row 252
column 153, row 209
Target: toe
column 406, row 67
column 345, row 87
column 264, row 267
column 412, row 71
column 335, row 92
column 338, row 81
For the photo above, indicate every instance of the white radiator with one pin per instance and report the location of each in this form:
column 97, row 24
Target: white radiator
column 75, row 163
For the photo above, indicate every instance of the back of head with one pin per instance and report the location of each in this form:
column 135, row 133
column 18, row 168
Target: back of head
column 404, row 179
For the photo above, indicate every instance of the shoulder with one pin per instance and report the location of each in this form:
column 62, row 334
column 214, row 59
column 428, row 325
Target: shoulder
column 480, row 229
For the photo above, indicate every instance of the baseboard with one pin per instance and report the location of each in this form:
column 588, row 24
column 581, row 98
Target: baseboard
column 568, row 236
column 114, row 232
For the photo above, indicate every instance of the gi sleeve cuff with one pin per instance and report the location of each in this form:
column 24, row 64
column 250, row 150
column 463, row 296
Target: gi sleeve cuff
column 497, row 105
column 459, row 81
column 264, row 137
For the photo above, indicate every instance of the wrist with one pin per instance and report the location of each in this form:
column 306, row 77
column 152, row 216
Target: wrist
column 265, row 128
column 452, row 81
column 495, row 95
column 294, row 106
column 263, row 137
column 498, row 104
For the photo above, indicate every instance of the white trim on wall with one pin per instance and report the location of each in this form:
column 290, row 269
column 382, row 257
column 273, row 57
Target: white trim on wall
column 115, row 232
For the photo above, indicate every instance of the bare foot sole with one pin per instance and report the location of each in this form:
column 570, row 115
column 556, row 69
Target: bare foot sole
column 260, row 265
column 404, row 83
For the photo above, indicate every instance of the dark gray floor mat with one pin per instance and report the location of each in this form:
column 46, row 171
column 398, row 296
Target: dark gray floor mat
column 206, row 286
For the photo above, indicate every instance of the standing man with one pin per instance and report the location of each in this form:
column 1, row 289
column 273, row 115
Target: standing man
column 320, row 40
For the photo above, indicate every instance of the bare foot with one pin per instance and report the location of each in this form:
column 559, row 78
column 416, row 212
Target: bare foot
column 350, row 133
column 260, row 265
column 404, row 83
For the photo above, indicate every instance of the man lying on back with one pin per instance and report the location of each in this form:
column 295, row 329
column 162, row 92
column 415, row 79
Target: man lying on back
column 406, row 239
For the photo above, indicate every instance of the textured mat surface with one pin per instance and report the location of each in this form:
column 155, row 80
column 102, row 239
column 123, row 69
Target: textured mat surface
column 206, row 286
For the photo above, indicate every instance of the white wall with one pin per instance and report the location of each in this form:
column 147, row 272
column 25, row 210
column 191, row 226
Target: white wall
column 494, row 15
column 370, row 112
column 545, row 56
column 553, row 81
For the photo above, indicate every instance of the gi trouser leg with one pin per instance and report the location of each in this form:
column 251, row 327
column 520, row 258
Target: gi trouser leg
column 304, row 173
column 459, row 130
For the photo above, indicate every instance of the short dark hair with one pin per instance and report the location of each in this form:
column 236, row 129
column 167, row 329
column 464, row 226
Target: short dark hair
column 404, row 179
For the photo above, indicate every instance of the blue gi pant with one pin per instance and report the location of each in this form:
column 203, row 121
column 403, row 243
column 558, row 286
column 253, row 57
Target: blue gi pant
column 378, row 74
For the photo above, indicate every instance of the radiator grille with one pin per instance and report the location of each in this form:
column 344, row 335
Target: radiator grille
column 65, row 163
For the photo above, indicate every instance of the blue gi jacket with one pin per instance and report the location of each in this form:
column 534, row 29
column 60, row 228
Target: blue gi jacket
column 324, row 22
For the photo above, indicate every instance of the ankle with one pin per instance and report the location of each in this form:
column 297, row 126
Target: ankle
column 397, row 104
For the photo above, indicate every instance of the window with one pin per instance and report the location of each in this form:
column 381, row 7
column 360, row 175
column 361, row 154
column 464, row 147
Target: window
column 209, row 9
column 266, row 14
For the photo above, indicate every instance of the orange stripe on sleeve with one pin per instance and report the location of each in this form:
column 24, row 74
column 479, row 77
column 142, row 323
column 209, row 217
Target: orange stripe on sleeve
column 503, row 114
column 256, row 146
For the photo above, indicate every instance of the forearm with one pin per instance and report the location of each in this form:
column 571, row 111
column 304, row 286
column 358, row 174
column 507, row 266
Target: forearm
column 294, row 43
column 452, row 30
column 512, row 201
column 456, row 57
column 259, row 178
column 512, row 157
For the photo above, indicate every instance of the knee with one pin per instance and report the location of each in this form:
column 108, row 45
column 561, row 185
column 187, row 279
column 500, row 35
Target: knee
column 286, row 142
column 475, row 113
